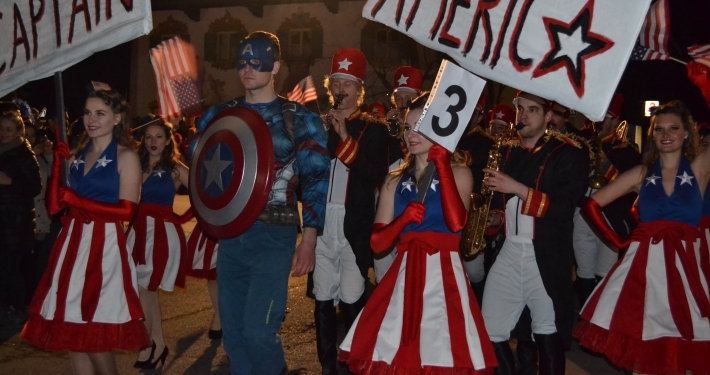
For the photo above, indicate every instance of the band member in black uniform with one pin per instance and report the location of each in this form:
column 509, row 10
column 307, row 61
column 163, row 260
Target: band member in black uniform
column 594, row 257
column 542, row 177
column 357, row 143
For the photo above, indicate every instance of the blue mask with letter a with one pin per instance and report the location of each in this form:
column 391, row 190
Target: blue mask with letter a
column 258, row 53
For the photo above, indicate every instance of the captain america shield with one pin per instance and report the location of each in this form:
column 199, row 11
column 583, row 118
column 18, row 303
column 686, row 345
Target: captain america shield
column 231, row 172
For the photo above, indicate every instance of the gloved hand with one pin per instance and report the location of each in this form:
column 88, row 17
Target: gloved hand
column 699, row 74
column 61, row 154
column 455, row 213
column 384, row 236
column 591, row 211
column 124, row 210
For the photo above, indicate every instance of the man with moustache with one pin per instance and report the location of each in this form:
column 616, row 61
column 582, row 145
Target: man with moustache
column 543, row 175
column 253, row 268
column 357, row 143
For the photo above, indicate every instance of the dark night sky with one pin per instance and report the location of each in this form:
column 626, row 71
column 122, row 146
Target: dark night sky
column 642, row 80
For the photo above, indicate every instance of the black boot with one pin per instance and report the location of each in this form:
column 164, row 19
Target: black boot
column 326, row 336
column 351, row 310
column 504, row 355
column 527, row 357
column 552, row 354
column 478, row 291
column 585, row 287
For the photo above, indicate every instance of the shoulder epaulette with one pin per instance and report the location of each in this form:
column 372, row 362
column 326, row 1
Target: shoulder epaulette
column 479, row 130
column 368, row 118
column 583, row 142
column 511, row 143
column 563, row 138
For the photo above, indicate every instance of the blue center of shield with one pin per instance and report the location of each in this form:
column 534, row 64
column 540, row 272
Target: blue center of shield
column 218, row 167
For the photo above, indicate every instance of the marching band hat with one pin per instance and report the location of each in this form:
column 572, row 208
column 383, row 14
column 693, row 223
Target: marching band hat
column 615, row 106
column 376, row 108
column 481, row 102
column 547, row 104
column 348, row 63
column 408, row 78
column 502, row 113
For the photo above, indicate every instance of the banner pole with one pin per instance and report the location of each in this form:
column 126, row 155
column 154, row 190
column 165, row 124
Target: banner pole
column 61, row 121
column 677, row 60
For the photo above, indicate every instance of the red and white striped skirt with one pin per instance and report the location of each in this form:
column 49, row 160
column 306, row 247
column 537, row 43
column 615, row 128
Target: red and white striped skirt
column 651, row 313
column 202, row 251
column 423, row 317
column 87, row 300
column 157, row 244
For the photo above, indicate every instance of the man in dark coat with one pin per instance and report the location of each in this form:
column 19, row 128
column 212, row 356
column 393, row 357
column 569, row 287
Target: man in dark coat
column 537, row 189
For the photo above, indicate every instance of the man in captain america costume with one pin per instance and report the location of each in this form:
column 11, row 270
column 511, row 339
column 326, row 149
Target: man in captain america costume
column 253, row 267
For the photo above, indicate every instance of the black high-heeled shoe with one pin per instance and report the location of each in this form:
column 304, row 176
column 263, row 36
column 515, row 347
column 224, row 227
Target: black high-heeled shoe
column 142, row 364
column 214, row 334
column 160, row 359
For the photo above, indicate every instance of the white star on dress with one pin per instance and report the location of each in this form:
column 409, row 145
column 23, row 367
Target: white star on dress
column 76, row 162
column 434, row 182
column 158, row 172
column 685, row 178
column 345, row 64
column 652, row 179
column 402, row 80
column 214, row 169
column 103, row 162
column 407, row 185
column 499, row 115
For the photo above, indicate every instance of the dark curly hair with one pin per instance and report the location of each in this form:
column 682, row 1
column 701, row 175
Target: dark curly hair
column 690, row 144
column 169, row 158
column 118, row 105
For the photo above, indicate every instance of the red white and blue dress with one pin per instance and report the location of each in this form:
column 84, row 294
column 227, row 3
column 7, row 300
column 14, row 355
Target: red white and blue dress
column 650, row 313
column 704, row 248
column 87, row 300
column 423, row 317
column 156, row 237
column 202, row 250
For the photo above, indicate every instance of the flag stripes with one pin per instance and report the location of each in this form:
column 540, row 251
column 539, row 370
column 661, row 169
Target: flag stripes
column 700, row 53
column 304, row 92
column 655, row 31
column 174, row 64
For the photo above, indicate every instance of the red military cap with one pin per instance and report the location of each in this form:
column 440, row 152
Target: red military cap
column 408, row 78
column 481, row 102
column 503, row 113
column 376, row 108
column 547, row 104
column 348, row 63
column 615, row 106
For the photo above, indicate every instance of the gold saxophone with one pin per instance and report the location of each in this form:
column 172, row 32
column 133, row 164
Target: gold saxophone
column 472, row 241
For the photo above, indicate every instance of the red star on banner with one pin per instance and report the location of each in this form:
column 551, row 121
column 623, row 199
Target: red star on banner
column 577, row 45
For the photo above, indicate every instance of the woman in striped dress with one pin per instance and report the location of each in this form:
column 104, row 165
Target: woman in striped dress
column 87, row 302
column 156, row 237
column 202, row 250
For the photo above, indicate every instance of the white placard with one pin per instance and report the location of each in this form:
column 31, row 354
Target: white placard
column 570, row 51
column 451, row 103
column 41, row 37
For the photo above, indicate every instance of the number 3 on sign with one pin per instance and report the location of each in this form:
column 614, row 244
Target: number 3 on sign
column 450, row 105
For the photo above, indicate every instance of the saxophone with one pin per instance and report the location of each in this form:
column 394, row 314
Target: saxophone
column 472, row 241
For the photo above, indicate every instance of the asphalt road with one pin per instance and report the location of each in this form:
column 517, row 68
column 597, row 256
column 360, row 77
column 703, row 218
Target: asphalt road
column 186, row 319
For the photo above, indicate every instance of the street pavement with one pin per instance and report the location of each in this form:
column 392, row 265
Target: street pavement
column 186, row 319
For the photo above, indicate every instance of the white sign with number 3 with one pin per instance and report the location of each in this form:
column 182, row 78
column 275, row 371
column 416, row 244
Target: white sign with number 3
column 450, row 106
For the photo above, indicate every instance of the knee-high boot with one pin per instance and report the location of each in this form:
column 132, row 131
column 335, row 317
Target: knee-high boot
column 552, row 354
column 504, row 355
column 585, row 287
column 326, row 336
column 351, row 310
column 527, row 357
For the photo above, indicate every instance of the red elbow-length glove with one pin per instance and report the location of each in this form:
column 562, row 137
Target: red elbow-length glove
column 455, row 213
column 384, row 236
column 52, row 199
column 699, row 74
column 124, row 210
column 593, row 213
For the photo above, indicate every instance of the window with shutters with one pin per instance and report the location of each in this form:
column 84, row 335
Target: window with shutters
column 222, row 41
column 301, row 38
column 299, row 43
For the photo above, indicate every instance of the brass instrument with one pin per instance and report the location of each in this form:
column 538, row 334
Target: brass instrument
column 472, row 240
column 622, row 131
column 337, row 100
column 597, row 180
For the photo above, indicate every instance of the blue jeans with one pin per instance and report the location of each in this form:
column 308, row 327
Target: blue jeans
column 253, row 271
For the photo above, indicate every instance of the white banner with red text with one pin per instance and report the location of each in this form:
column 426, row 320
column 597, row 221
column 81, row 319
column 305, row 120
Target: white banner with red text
column 573, row 52
column 41, row 37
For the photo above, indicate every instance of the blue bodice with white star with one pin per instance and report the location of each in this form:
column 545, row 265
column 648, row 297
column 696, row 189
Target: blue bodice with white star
column 102, row 182
column 158, row 188
column 407, row 192
column 684, row 205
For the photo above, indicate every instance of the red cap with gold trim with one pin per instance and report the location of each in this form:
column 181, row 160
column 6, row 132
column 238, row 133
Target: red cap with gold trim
column 503, row 113
column 408, row 78
column 615, row 106
column 348, row 63
column 376, row 108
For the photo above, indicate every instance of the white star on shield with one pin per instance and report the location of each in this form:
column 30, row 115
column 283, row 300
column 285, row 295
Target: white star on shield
column 103, row 162
column 345, row 64
column 76, row 162
column 652, row 179
column 685, row 178
column 407, row 185
column 402, row 80
column 214, row 169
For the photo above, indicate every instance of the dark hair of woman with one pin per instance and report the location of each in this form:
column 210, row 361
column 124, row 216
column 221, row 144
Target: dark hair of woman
column 457, row 158
column 16, row 119
column 118, row 105
column 169, row 158
column 690, row 148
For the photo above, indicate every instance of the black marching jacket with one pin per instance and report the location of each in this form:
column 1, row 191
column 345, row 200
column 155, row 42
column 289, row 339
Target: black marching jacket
column 17, row 205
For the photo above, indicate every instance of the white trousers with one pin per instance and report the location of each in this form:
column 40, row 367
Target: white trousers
column 383, row 262
column 592, row 255
column 474, row 269
column 513, row 282
column 336, row 275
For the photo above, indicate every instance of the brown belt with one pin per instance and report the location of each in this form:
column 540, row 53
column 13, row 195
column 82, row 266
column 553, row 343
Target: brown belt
column 280, row 215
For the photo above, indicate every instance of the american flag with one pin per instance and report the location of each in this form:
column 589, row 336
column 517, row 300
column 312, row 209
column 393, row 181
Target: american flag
column 700, row 53
column 654, row 33
column 174, row 63
column 641, row 53
column 304, row 92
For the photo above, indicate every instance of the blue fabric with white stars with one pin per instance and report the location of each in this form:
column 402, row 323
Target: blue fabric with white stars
column 433, row 217
column 684, row 205
column 102, row 182
column 159, row 188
